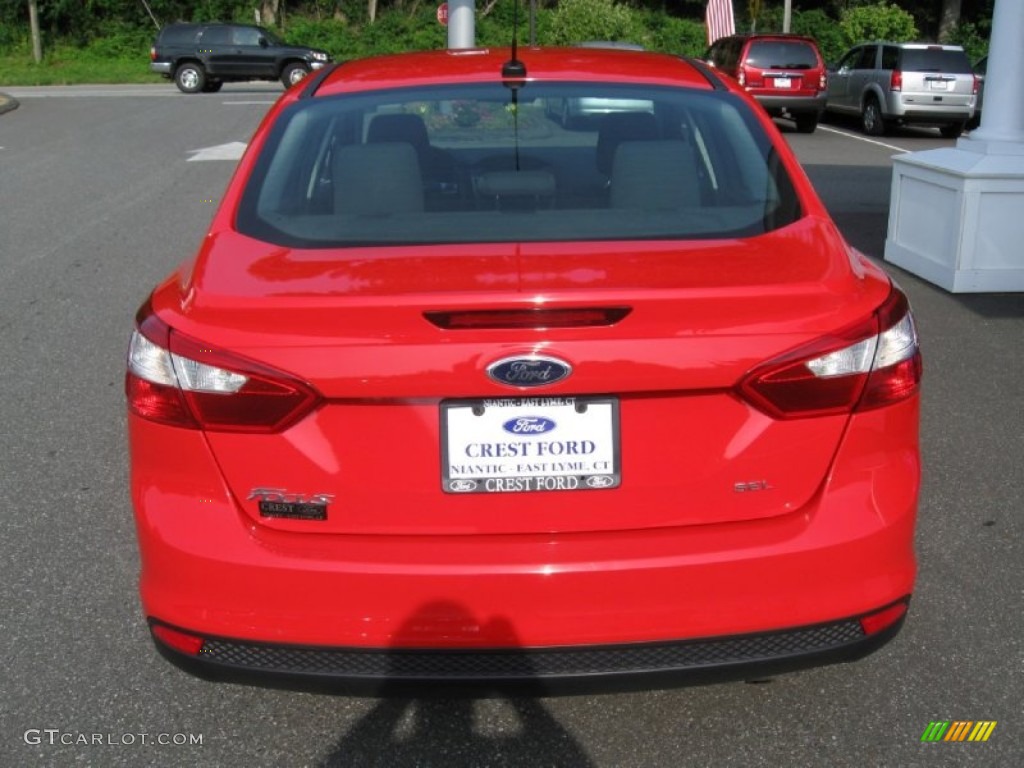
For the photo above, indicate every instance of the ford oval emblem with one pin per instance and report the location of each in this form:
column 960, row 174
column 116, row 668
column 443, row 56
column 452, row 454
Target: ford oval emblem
column 528, row 425
column 528, row 371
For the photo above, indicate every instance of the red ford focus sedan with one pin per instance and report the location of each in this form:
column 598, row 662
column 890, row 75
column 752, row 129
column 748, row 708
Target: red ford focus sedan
column 453, row 392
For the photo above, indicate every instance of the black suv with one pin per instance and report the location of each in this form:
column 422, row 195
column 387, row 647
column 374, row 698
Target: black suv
column 201, row 57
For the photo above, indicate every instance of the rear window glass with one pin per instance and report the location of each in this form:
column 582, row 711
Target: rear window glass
column 179, row 35
column 483, row 163
column 935, row 60
column 780, row 54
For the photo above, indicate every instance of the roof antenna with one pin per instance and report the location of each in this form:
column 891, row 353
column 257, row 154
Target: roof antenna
column 514, row 69
column 513, row 74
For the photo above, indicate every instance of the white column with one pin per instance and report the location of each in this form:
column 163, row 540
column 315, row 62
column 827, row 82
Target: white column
column 956, row 214
column 1002, row 119
column 461, row 23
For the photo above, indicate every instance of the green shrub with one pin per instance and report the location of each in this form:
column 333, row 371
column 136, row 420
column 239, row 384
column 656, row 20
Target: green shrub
column 121, row 41
column 969, row 36
column 882, row 21
column 576, row 21
column 819, row 25
column 335, row 37
column 670, row 34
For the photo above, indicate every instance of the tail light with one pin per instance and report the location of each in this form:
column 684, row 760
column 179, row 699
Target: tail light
column 152, row 54
column 173, row 379
column 974, row 85
column 896, row 80
column 741, row 77
column 823, row 81
column 871, row 364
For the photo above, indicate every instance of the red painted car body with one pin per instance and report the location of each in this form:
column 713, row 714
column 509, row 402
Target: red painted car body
column 520, row 424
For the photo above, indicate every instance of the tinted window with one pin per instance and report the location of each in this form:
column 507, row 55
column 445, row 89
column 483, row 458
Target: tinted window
column 216, row 36
column 714, row 54
column 466, row 163
column 890, row 57
column 245, row 36
column 849, row 60
column 866, row 59
column 935, row 60
column 179, row 35
column 732, row 52
column 779, row 54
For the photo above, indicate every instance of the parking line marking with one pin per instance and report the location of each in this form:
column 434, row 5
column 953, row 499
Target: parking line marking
column 862, row 138
column 231, row 151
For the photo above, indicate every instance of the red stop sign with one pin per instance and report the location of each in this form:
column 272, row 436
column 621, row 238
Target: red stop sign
column 442, row 14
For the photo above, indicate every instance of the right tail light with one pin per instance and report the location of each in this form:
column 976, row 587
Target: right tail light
column 871, row 364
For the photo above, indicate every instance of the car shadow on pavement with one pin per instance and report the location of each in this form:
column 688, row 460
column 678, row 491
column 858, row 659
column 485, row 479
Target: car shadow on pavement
column 434, row 726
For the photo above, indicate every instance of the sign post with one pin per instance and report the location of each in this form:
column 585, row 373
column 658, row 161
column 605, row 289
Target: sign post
column 461, row 16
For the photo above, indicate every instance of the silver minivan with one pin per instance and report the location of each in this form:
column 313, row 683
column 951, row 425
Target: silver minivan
column 890, row 84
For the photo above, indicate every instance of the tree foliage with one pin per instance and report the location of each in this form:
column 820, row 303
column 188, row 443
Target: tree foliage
column 577, row 20
column 345, row 27
column 881, row 21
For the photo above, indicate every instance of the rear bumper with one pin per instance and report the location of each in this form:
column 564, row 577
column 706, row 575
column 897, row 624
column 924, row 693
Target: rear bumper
column 563, row 670
column 160, row 67
column 793, row 104
column 916, row 112
column 211, row 570
column 933, row 118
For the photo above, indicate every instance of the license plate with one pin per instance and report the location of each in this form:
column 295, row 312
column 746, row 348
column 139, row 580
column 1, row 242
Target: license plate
column 519, row 445
column 783, row 82
column 939, row 85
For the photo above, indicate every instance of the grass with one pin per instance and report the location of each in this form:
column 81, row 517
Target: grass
column 74, row 66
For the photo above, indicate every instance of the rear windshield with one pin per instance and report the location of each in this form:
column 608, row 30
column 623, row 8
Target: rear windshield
column 179, row 35
column 484, row 163
column 781, row 54
column 935, row 60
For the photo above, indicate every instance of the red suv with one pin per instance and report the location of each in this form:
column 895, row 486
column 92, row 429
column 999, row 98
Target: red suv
column 785, row 73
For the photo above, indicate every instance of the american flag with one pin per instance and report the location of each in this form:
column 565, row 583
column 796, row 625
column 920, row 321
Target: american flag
column 719, row 20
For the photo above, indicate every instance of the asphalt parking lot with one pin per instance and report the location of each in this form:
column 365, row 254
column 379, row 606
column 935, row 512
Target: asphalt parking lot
column 99, row 199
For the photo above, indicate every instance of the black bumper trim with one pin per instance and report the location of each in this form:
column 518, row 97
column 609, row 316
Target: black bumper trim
column 539, row 670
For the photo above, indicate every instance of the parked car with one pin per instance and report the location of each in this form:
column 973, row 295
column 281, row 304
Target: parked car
column 980, row 70
column 201, row 57
column 437, row 401
column 785, row 73
column 891, row 84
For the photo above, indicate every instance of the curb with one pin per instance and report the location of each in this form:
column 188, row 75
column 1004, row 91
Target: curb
column 7, row 103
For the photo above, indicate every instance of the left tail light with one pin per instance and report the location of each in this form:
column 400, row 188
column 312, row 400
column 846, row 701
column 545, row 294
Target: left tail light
column 176, row 380
column 868, row 365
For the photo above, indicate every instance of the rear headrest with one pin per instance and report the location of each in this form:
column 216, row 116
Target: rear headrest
column 399, row 127
column 374, row 179
column 654, row 175
column 618, row 127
